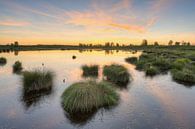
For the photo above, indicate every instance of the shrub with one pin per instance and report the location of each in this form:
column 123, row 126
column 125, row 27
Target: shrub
column 151, row 71
column 116, row 74
column 17, row 67
column 37, row 80
column 87, row 96
column 90, row 70
column 132, row 60
column 3, row 60
column 185, row 76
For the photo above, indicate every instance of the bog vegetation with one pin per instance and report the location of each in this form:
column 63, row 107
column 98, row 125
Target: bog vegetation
column 17, row 67
column 3, row 60
column 117, row 74
column 88, row 96
column 37, row 80
column 181, row 64
column 90, row 71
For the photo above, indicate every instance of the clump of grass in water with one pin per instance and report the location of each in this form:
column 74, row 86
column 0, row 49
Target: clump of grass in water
column 90, row 70
column 17, row 67
column 117, row 74
column 183, row 76
column 3, row 60
column 151, row 71
column 86, row 96
column 132, row 60
column 37, row 80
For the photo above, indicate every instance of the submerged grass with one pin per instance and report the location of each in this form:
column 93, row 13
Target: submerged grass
column 90, row 70
column 117, row 74
column 87, row 96
column 37, row 80
column 17, row 67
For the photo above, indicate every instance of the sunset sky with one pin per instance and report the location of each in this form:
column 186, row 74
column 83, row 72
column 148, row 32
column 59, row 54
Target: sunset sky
column 96, row 21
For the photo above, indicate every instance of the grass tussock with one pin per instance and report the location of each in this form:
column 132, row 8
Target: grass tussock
column 3, row 60
column 152, row 71
column 87, row 96
column 17, row 67
column 131, row 60
column 37, row 80
column 117, row 74
column 90, row 71
column 184, row 76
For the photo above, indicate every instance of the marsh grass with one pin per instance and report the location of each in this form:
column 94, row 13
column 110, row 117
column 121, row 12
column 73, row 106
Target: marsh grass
column 160, row 61
column 88, row 96
column 17, row 67
column 132, row 60
column 90, row 71
column 37, row 80
column 117, row 74
column 3, row 61
column 152, row 71
column 184, row 76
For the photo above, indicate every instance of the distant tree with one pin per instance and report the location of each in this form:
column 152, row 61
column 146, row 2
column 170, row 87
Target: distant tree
column 177, row 43
column 188, row 44
column 184, row 43
column 170, row 43
column 112, row 44
column 156, row 43
column 107, row 44
column 117, row 44
column 16, row 43
column 144, row 42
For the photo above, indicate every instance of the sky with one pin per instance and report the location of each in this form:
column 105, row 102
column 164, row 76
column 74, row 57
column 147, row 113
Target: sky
column 96, row 21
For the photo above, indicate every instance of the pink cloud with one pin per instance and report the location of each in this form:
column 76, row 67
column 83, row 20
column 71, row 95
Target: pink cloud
column 14, row 23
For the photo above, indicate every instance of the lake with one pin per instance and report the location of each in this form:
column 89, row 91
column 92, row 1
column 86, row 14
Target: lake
column 146, row 103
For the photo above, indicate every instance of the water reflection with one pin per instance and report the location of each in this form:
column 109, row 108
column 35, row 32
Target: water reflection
column 34, row 98
column 80, row 119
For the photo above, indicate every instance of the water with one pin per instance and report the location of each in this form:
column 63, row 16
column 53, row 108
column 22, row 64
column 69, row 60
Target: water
column 146, row 103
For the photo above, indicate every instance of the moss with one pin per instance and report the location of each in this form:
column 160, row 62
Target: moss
column 17, row 67
column 117, row 74
column 87, row 96
column 90, row 70
column 37, row 80
column 3, row 60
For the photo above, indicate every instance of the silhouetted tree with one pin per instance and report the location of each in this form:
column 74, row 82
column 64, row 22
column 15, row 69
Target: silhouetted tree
column 177, row 43
column 170, row 43
column 188, row 44
column 117, row 44
column 156, row 43
column 16, row 43
column 144, row 42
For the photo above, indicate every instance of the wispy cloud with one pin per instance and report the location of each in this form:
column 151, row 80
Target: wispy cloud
column 115, row 16
column 14, row 23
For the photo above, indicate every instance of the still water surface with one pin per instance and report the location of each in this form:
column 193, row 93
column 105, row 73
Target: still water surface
column 146, row 103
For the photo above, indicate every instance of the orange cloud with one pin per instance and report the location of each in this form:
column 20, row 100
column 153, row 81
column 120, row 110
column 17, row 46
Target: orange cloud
column 14, row 23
